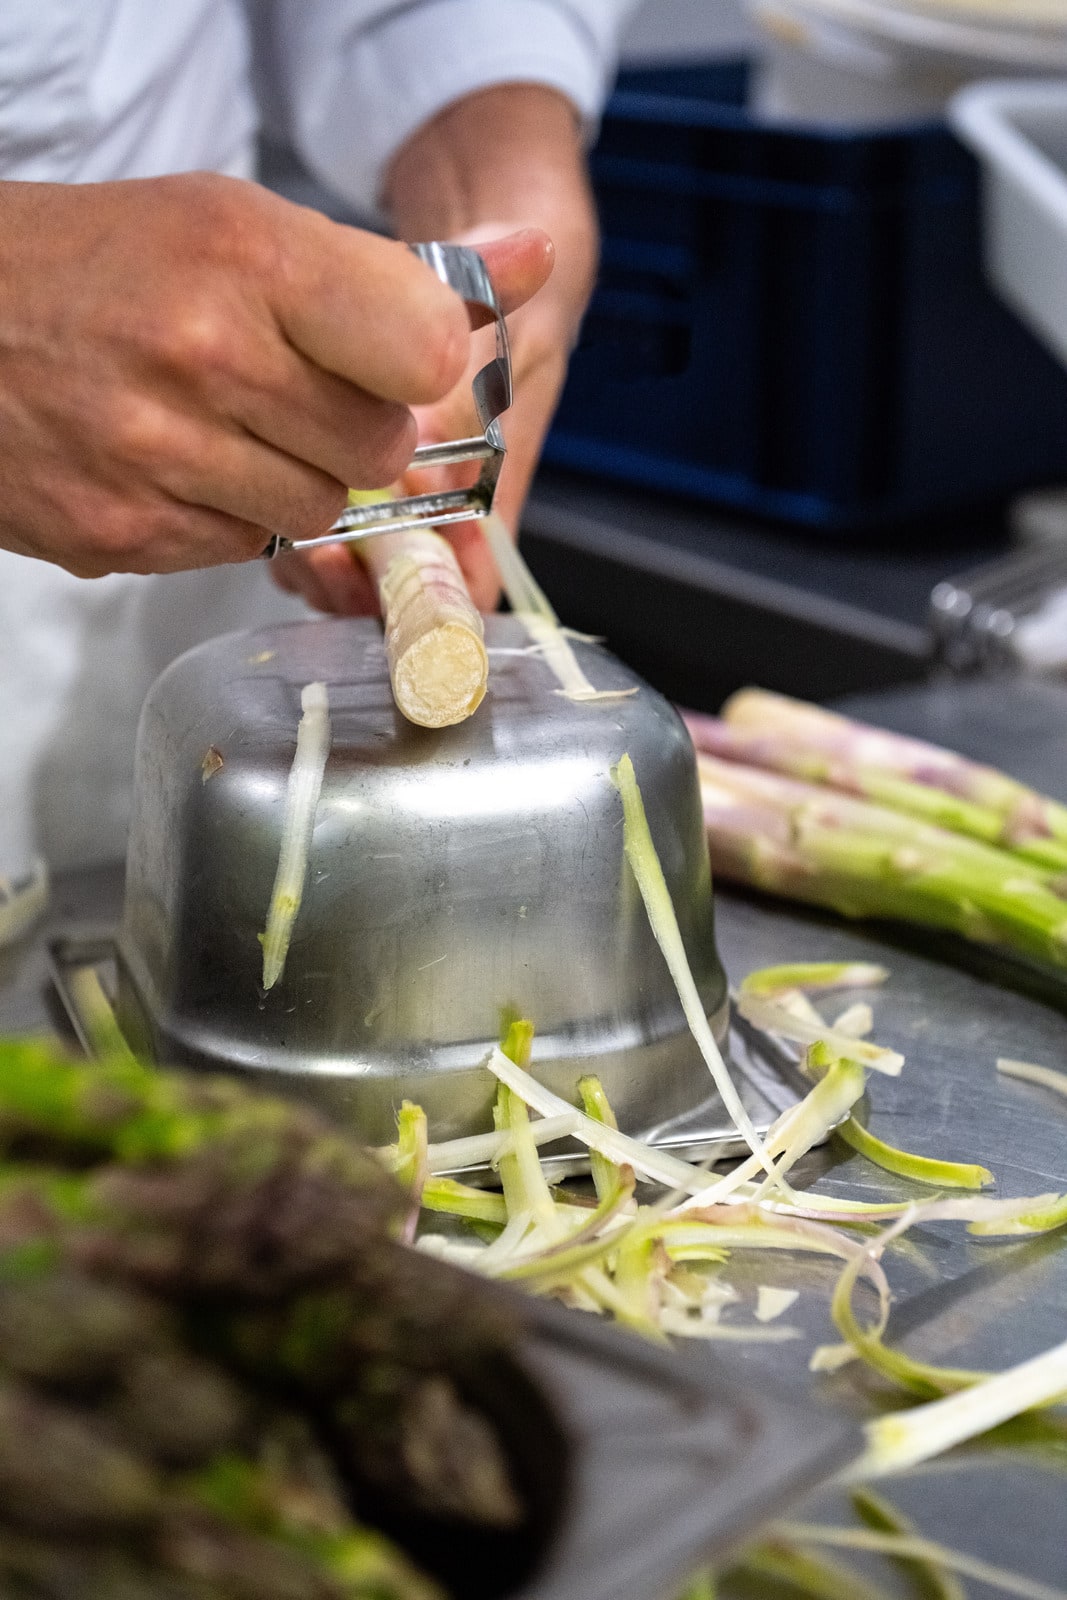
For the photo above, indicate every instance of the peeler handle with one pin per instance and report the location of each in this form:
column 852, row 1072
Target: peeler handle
column 464, row 271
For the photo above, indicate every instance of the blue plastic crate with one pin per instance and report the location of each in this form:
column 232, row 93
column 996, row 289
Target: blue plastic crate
column 794, row 322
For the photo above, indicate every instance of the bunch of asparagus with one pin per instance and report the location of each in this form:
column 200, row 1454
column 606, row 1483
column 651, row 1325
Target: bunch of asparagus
column 211, row 1349
column 808, row 804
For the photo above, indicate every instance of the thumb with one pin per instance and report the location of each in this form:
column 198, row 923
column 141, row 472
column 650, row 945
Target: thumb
column 518, row 261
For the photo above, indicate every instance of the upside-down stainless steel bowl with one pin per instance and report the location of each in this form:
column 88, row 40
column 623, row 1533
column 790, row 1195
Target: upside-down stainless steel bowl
column 453, row 877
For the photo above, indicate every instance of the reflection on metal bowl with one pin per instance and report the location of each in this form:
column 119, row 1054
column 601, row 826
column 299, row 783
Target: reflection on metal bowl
column 454, row 877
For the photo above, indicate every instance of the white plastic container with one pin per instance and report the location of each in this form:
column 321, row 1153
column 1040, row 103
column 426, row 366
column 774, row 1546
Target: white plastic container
column 864, row 62
column 1019, row 132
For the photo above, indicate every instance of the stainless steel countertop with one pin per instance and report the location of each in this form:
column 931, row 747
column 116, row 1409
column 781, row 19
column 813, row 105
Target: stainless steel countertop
column 952, row 1011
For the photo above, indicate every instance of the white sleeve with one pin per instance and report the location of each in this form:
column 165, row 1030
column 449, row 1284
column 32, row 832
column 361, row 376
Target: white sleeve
column 350, row 80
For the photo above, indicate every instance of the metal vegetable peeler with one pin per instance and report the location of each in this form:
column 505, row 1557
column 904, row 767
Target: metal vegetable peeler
column 464, row 271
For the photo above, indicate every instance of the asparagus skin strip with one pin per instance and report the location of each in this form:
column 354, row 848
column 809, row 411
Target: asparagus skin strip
column 555, row 648
column 640, row 851
column 830, row 1101
column 913, row 1548
column 559, row 1249
column 772, row 1302
column 855, row 1022
column 921, row 1169
column 658, row 1165
column 1045, row 1214
column 689, row 1234
column 96, row 1013
column 904, row 1438
column 700, row 1587
column 806, row 1574
column 434, row 636
column 22, row 902
column 525, row 595
column 534, row 610
column 811, row 977
column 784, row 1021
column 919, row 1376
column 641, row 1268
column 930, row 1578
column 487, row 1206
column 478, row 1149
column 572, row 1255
column 526, row 1191
column 1029, row 822
column 811, row 844
column 301, row 801
column 1028, row 1072
column 410, row 1165
column 460, row 1200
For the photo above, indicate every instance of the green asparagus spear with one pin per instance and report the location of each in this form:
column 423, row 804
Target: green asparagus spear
column 814, row 844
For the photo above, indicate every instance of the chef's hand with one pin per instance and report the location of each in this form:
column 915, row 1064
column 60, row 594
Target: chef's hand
column 190, row 364
column 442, row 186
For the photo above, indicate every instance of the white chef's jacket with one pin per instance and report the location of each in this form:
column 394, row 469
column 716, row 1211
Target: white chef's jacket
column 92, row 90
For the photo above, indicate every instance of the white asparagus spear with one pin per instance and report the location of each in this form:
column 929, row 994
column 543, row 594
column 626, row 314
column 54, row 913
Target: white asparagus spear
column 434, row 638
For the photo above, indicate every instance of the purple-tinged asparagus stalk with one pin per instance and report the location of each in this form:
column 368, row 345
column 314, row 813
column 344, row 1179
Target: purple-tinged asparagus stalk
column 804, row 741
column 814, row 844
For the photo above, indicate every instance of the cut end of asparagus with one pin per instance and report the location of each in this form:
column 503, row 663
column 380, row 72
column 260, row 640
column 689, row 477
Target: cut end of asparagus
column 441, row 677
column 434, row 637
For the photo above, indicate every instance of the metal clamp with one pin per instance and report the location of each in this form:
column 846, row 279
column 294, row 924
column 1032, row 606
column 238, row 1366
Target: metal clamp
column 465, row 272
